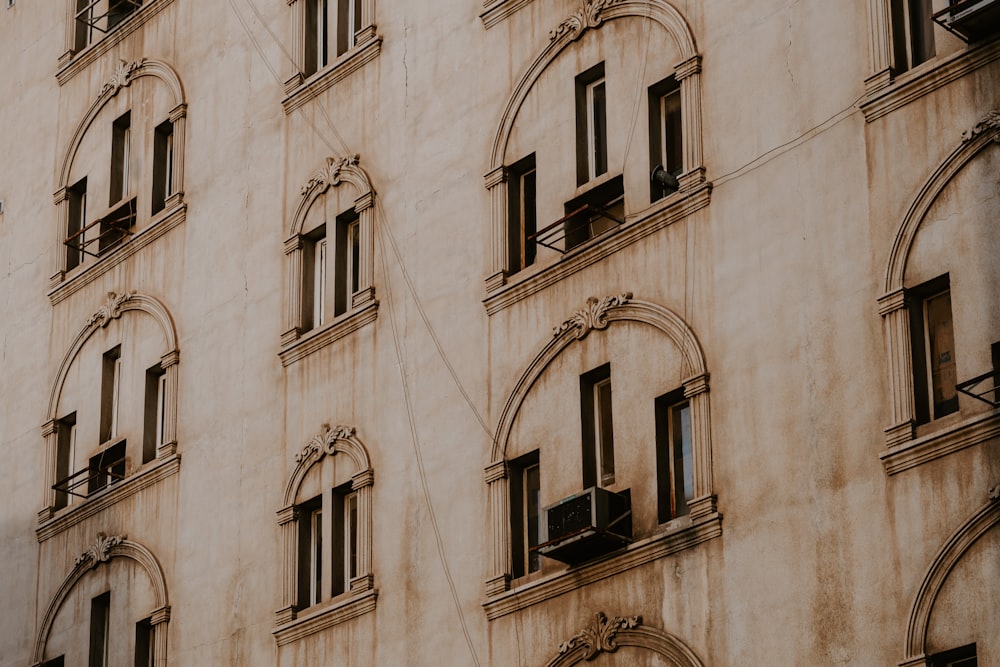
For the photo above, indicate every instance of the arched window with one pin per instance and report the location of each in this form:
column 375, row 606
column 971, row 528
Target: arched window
column 326, row 528
column 122, row 178
column 329, row 288
column 623, row 160
column 943, row 346
column 645, row 491
column 104, row 445
column 102, row 614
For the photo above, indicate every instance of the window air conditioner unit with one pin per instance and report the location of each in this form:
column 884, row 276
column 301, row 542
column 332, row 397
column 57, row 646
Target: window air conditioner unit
column 586, row 525
column 971, row 20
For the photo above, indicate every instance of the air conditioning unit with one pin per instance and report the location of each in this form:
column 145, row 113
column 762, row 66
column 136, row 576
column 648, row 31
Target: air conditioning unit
column 586, row 525
column 971, row 20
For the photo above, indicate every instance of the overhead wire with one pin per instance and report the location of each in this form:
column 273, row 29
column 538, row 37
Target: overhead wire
column 411, row 420
column 421, row 470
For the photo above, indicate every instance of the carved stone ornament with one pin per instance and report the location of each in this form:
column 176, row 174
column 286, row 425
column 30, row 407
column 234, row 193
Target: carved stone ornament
column 600, row 636
column 588, row 16
column 100, row 551
column 593, row 316
column 989, row 122
column 994, row 492
column 111, row 310
column 324, row 442
column 122, row 76
column 330, row 174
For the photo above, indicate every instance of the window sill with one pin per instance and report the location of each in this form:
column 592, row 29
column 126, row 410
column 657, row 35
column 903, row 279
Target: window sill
column 495, row 11
column 316, row 620
column 300, row 92
column 926, row 78
column 50, row 525
column 680, row 534
column 316, row 339
column 637, row 226
column 66, row 283
column 72, row 63
column 950, row 438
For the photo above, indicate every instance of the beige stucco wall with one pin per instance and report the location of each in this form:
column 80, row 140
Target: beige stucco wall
column 822, row 552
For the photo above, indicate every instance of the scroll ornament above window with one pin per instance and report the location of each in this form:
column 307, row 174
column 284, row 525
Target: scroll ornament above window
column 593, row 316
column 330, row 175
column 989, row 122
column 100, row 551
column 325, row 442
column 600, row 636
column 589, row 16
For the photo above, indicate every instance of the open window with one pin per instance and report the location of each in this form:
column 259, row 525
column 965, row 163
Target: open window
column 972, row 20
column 95, row 18
column 591, row 125
column 665, row 138
column 674, row 464
column 522, row 213
column 598, row 427
column 933, row 344
column 525, row 514
column 912, row 33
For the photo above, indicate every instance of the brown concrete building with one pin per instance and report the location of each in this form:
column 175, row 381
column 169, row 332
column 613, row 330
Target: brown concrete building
column 525, row 332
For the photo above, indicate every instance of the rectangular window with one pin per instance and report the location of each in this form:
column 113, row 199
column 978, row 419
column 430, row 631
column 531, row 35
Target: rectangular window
column 348, row 24
column 84, row 18
column 964, row 656
column 346, row 263
column 674, row 471
column 314, row 272
column 526, row 512
column 144, row 644
column 76, row 234
column 317, row 33
column 591, row 125
column 521, row 216
column 100, row 613
column 933, row 342
column 55, row 662
column 912, row 33
column 110, row 392
column 665, row 140
column 598, row 430
column 65, row 458
column 119, row 10
column 163, row 165
column 121, row 138
column 345, row 530
column 311, row 553
column 153, row 412
column 106, row 467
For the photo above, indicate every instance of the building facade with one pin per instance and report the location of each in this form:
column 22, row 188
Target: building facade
column 516, row 332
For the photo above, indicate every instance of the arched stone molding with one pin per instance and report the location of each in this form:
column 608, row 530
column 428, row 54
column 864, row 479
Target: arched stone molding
column 591, row 15
column 102, row 551
column 123, row 76
column 608, row 635
column 336, row 172
column 944, row 562
column 599, row 314
column 893, row 302
column 331, row 441
column 114, row 308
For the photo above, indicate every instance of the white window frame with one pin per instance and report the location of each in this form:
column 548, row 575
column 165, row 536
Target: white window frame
column 593, row 140
column 319, row 281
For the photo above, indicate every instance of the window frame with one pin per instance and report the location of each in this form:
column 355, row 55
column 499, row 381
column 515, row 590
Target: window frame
column 591, row 124
column 926, row 408
column 956, row 657
column 359, row 595
column 673, row 497
column 666, row 133
column 100, row 630
column 597, row 428
column 523, row 539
